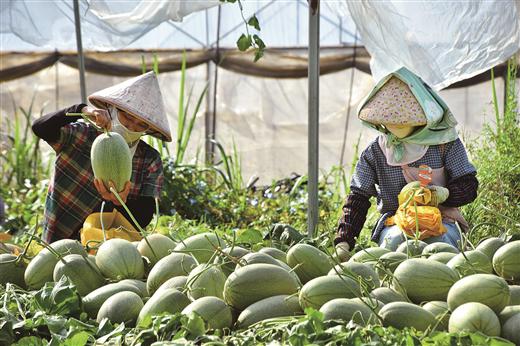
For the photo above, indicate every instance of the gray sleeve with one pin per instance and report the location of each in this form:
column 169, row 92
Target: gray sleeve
column 364, row 179
column 456, row 161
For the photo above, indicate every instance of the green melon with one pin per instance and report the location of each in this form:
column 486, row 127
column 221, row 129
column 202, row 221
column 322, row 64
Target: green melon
column 92, row 302
column 360, row 272
column 320, row 290
column 276, row 306
column 442, row 257
column 178, row 282
column 387, row 295
column 490, row 246
column 121, row 307
column 227, row 264
column 389, row 262
column 201, row 246
column 255, row 282
column 161, row 246
column 474, row 317
column 169, row 300
column 368, row 254
column 348, row 310
column 206, row 280
column 471, row 262
column 506, row 261
column 10, row 271
column 401, row 315
column 508, row 312
column 439, row 247
column 140, row 285
column 423, row 280
column 411, row 247
column 515, row 295
column 111, row 159
column 342, row 252
column 256, row 257
column 40, row 269
column 441, row 312
column 175, row 264
column 275, row 253
column 213, row 311
column 81, row 271
column 118, row 259
column 511, row 328
column 308, row 262
column 372, row 303
column 487, row 289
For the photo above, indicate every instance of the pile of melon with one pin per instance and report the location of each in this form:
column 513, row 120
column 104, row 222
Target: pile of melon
column 427, row 287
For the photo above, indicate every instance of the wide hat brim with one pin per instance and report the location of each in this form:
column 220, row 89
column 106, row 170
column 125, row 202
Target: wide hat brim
column 140, row 97
column 393, row 104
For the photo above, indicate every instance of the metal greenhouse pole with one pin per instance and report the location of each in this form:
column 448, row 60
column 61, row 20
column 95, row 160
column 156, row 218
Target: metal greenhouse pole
column 313, row 108
column 81, row 58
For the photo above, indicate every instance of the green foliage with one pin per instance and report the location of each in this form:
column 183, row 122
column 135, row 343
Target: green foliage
column 496, row 155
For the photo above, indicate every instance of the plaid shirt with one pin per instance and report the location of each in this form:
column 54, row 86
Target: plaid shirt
column 375, row 178
column 72, row 195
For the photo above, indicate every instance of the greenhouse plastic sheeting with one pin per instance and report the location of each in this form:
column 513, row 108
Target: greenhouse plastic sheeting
column 442, row 41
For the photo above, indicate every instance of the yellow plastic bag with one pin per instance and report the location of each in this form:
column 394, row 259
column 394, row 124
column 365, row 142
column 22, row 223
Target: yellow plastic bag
column 429, row 220
column 116, row 226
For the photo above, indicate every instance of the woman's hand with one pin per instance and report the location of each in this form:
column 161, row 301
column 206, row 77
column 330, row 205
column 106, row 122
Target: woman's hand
column 107, row 195
column 100, row 116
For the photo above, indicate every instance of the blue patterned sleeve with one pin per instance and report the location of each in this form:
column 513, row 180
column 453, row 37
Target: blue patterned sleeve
column 456, row 161
column 364, row 179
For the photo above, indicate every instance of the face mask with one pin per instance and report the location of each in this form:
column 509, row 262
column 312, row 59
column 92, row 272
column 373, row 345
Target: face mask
column 131, row 137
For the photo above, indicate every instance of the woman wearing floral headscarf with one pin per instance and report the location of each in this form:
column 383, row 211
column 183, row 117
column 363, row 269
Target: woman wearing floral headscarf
column 417, row 129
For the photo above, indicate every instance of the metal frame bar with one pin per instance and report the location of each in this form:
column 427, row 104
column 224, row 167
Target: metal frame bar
column 81, row 56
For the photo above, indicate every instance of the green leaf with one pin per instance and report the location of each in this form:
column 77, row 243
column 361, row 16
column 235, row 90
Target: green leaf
column 78, row 339
column 249, row 236
column 259, row 42
column 30, row 341
column 244, row 42
column 253, row 21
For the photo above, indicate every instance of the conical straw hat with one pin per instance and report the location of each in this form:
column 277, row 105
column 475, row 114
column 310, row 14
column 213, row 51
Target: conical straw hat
column 393, row 104
column 140, row 97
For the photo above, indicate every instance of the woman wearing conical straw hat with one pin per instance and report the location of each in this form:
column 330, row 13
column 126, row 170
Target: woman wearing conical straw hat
column 417, row 131
column 133, row 108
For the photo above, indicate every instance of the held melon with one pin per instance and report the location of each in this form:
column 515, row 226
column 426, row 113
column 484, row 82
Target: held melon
column 474, row 317
column 506, row 261
column 169, row 300
column 205, row 280
column 471, row 262
column 10, row 271
column 490, row 246
column 213, row 311
column 175, row 264
column 111, row 160
column 387, row 295
column 160, row 247
column 487, row 289
column 81, row 271
column 308, row 262
column 121, row 307
column 92, row 302
column 201, row 246
column 118, row 259
column 347, row 310
column 401, row 314
column 360, row 272
column 277, row 306
column 255, row 282
column 40, row 269
column 424, row 280
column 320, row 290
